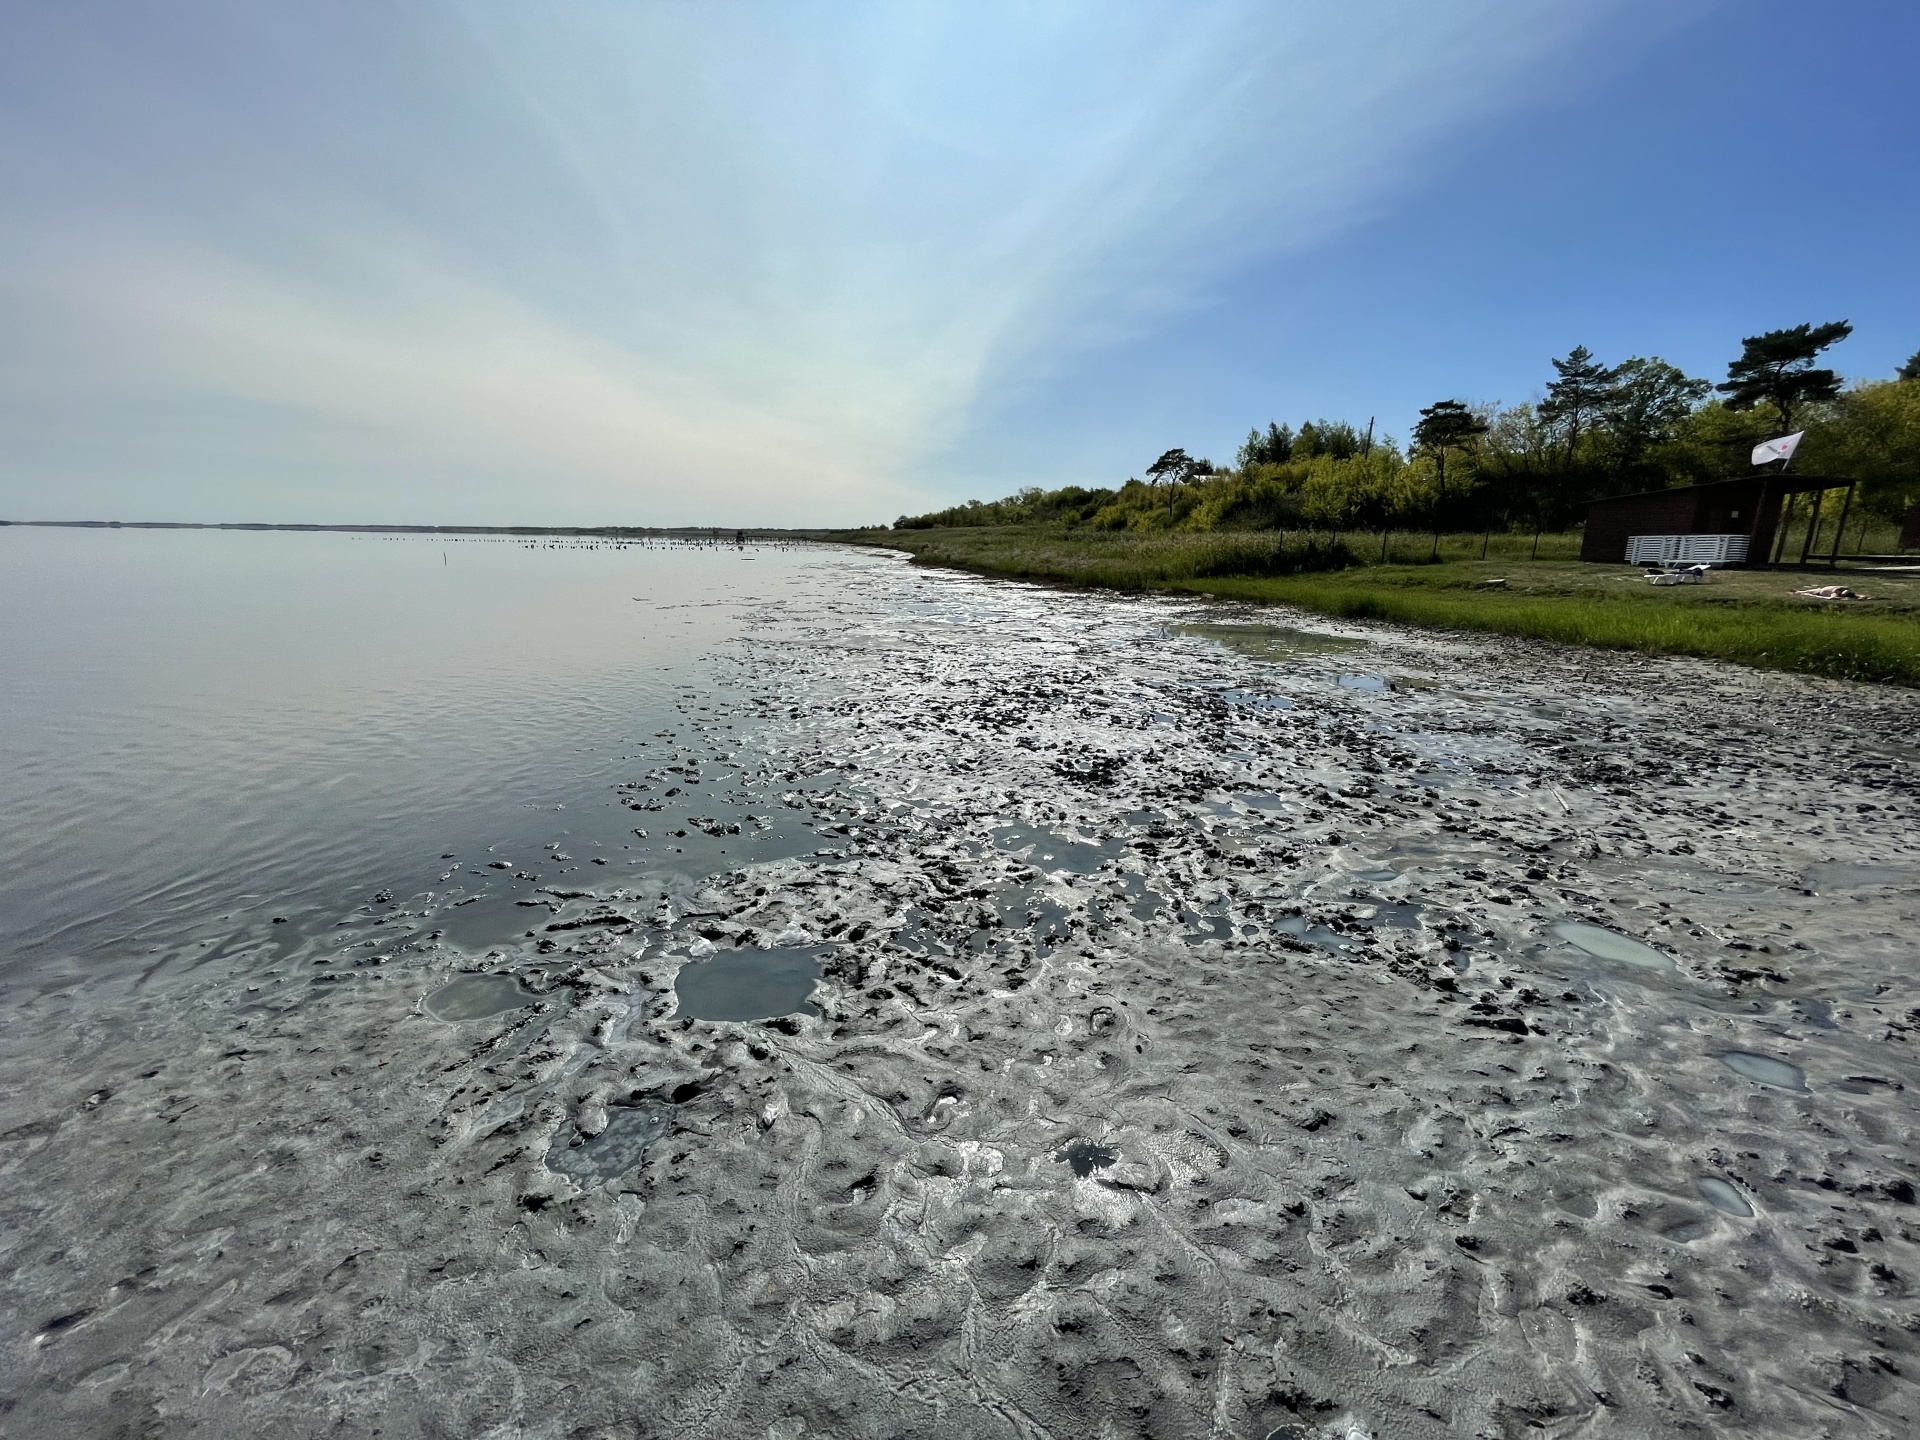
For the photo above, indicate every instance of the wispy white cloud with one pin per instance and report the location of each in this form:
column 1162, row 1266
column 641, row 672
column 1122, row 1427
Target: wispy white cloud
column 666, row 263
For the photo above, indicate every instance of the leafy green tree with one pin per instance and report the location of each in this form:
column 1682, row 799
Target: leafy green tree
column 1517, row 466
column 1711, row 443
column 1777, row 368
column 1910, row 370
column 1273, row 448
column 1650, row 398
column 1333, row 438
column 1871, row 434
column 1175, row 467
column 1445, row 425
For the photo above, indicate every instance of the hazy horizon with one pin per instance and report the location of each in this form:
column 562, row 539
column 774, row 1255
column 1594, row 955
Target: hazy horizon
column 688, row 265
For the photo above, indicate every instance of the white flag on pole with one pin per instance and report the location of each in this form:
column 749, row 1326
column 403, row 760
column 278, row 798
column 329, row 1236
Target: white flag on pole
column 1781, row 449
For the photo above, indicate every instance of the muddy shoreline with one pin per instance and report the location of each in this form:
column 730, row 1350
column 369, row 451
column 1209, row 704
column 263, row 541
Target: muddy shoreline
column 1196, row 1054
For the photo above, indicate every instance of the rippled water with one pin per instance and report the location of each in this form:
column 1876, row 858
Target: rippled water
column 210, row 731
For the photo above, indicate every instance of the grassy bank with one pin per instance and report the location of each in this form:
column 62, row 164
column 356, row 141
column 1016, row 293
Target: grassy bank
column 1750, row 617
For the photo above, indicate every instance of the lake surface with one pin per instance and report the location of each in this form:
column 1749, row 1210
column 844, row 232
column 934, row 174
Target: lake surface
column 206, row 730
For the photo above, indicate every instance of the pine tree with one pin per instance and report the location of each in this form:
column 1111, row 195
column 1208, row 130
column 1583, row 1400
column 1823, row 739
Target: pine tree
column 1582, row 393
column 1176, row 467
column 1778, row 368
column 1445, row 425
column 1910, row 370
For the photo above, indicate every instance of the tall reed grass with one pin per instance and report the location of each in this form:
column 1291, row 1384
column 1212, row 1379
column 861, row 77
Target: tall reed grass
column 1122, row 560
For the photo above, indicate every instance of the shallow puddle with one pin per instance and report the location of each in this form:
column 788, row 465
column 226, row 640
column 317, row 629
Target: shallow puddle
column 616, row 1149
column 1253, row 700
column 1834, row 876
column 1612, row 945
column 1765, row 1069
column 1312, row 934
column 919, row 937
column 1022, row 908
column 1395, row 917
column 1363, row 682
column 1085, row 1157
column 1144, row 902
column 475, row 997
column 1723, row 1196
column 748, row 984
column 1207, row 926
column 1048, row 851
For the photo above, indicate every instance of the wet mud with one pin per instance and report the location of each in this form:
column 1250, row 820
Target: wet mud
column 1153, row 1032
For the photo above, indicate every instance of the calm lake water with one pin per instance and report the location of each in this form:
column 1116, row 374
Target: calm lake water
column 207, row 732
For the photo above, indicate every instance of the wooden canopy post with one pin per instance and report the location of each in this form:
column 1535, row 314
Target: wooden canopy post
column 1780, row 530
column 1846, row 508
column 1813, row 526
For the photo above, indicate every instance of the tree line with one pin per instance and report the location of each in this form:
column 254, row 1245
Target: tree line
column 1596, row 430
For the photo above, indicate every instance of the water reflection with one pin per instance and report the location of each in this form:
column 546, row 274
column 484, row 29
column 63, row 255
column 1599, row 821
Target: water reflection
column 630, row 1130
column 337, row 712
column 749, row 984
column 475, row 997
column 1611, row 945
column 1723, row 1196
column 1765, row 1069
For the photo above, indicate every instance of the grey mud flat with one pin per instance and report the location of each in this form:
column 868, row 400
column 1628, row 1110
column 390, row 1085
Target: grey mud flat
column 1282, row 1110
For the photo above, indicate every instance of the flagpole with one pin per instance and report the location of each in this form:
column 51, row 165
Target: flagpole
column 1792, row 443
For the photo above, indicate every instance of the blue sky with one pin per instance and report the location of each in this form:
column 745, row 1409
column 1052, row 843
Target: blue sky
column 683, row 263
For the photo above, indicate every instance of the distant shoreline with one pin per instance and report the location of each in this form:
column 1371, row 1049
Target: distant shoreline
column 599, row 531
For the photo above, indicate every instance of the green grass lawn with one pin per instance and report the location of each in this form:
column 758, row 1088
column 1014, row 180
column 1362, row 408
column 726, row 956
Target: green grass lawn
column 1747, row 616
